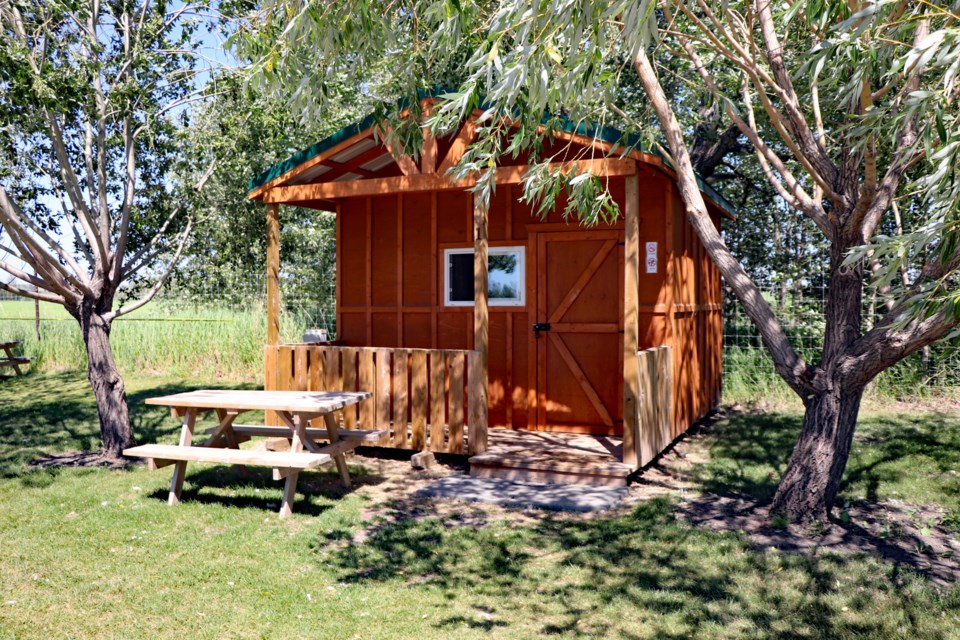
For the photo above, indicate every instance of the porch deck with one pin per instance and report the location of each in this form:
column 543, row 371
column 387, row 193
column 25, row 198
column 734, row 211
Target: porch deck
column 538, row 456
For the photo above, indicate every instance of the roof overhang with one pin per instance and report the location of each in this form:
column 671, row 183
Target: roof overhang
column 357, row 154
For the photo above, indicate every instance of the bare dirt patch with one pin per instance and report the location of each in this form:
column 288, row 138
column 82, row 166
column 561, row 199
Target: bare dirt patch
column 902, row 533
column 79, row 459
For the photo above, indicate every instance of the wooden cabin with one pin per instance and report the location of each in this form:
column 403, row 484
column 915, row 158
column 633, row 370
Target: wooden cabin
column 497, row 333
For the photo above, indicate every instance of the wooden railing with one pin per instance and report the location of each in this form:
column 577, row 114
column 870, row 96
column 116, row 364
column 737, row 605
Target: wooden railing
column 654, row 407
column 422, row 396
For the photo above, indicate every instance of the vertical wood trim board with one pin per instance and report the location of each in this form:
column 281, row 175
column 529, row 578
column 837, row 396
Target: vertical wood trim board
column 631, row 288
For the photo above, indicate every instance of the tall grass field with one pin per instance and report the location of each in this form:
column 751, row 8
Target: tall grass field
column 226, row 342
column 158, row 338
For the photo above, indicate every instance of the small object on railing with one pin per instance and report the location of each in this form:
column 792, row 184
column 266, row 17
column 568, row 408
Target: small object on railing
column 315, row 335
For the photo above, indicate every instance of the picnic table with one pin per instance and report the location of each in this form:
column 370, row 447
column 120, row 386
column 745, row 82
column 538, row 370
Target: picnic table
column 11, row 360
column 293, row 408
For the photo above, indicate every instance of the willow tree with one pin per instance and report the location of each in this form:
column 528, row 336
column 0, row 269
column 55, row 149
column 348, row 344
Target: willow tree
column 90, row 93
column 848, row 107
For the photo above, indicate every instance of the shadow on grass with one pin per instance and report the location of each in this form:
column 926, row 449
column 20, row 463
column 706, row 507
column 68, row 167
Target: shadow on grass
column 749, row 451
column 317, row 491
column 54, row 413
column 643, row 575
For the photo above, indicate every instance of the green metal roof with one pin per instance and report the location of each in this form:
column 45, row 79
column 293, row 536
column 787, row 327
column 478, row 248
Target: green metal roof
column 600, row 133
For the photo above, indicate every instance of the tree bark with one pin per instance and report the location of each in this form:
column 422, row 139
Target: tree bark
column 115, row 431
column 809, row 486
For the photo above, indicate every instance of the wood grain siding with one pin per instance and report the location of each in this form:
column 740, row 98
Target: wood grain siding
column 655, row 425
column 419, row 396
column 390, row 288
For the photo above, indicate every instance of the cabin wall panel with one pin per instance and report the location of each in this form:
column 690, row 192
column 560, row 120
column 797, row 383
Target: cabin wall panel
column 454, row 215
column 417, row 331
column 406, row 236
column 384, row 329
column 417, row 269
column 353, row 252
column 383, row 216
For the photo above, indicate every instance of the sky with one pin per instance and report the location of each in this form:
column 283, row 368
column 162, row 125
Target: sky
column 212, row 54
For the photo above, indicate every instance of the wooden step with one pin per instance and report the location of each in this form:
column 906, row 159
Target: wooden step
column 362, row 435
column 276, row 459
column 538, row 467
column 10, row 344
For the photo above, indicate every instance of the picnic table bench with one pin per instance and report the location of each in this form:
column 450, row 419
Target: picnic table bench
column 294, row 408
column 11, row 360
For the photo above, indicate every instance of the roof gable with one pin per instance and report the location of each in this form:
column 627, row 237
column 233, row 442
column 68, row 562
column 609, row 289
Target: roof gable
column 586, row 132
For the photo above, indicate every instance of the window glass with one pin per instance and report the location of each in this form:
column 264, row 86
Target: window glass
column 505, row 276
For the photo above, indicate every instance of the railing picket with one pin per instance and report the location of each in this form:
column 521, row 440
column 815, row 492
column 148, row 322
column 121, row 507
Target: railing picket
column 438, row 400
column 368, row 382
column 418, row 400
column 401, row 368
column 349, row 362
column 384, row 375
column 411, row 389
column 300, row 367
column 455, row 444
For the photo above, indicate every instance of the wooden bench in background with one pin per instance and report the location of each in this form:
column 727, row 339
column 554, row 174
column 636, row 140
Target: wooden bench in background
column 11, row 360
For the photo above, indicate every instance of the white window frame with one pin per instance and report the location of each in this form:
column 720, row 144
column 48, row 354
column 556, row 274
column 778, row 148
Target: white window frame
column 520, row 250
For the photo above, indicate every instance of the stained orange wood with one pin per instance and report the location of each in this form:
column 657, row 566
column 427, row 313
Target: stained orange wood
column 384, row 377
column 456, row 418
column 400, row 421
column 418, row 400
column 579, row 286
column 408, row 386
column 273, row 274
column 349, row 364
column 435, row 182
column 438, row 400
column 390, row 291
column 367, row 382
column 629, row 305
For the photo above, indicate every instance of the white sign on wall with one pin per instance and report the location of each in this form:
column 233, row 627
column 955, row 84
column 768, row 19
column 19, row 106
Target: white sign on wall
column 651, row 257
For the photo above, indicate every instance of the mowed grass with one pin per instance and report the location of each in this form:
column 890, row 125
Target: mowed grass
column 94, row 553
column 158, row 338
column 897, row 454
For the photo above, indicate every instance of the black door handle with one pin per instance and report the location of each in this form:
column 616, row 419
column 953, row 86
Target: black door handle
column 540, row 326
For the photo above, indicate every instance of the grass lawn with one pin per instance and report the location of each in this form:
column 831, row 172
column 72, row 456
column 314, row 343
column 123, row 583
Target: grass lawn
column 898, row 453
column 92, row 553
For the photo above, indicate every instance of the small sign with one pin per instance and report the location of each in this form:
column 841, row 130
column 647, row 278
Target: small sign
column 651, row 257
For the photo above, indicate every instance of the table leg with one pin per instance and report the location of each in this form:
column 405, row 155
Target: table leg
column 16, row 367
column 290, row 484
column 180, row 468
column 224, row 436
column 340, row 459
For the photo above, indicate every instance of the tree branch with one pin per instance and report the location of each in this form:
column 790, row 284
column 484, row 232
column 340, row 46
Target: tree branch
column 159, row 283
column 788, row 364
column 35, row 295
column 814, row 153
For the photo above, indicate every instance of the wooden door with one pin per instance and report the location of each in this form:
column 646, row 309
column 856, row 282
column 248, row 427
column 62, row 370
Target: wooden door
column 578, row 337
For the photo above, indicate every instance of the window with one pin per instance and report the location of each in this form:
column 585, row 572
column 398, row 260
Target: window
column 505, row 283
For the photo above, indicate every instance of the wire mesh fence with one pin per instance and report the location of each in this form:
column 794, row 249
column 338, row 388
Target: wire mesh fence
column 748, row 371
column 226, row 315
column 306, row 302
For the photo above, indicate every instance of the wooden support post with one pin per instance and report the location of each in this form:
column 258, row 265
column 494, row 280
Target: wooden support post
column 273, row 274
column 631, row 287
column 478, row 374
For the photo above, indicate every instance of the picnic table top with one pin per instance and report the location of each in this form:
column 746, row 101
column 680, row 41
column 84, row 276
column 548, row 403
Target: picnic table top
column 291, row 401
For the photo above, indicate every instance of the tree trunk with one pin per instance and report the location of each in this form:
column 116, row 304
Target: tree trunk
column 115, row 431
column 810, row 484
